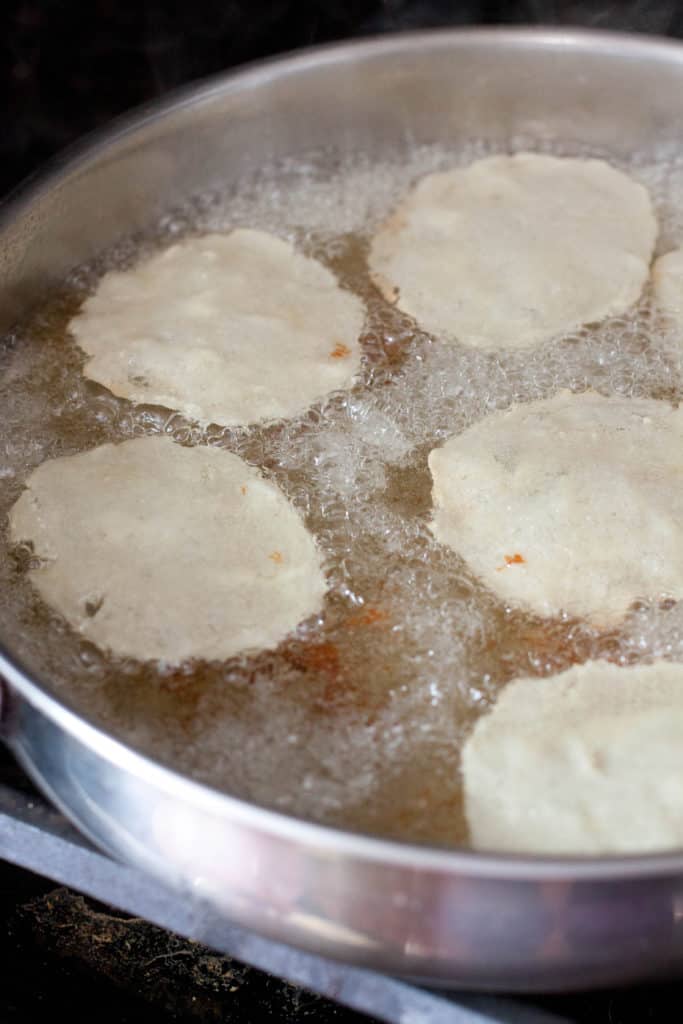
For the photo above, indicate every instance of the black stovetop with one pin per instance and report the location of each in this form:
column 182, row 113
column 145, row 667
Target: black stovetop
column 63, row 950
column 65, row 69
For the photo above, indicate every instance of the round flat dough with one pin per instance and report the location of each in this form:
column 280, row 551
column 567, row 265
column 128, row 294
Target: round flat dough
column 667, row 285
column 228, row 329
column 573, row 504
column 586, row 762
column 513, row 250
column 152, row 550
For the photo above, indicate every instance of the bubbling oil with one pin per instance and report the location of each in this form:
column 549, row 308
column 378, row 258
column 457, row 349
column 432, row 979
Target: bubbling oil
column 357, row 719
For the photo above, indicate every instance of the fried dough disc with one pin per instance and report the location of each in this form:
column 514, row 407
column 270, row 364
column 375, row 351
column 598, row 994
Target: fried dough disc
column 228, row 329
column 156, row 551
column 572, row 504
column 586, row 762
column 513, row 250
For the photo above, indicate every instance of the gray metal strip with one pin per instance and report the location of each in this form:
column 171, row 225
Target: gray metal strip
column 35, row 837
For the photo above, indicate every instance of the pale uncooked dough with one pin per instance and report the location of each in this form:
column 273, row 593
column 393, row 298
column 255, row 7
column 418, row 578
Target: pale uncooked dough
column 572, row 504
column 228, row 329
column 515, row 249
column 157, row 551
column 589, row 761
column 667, row 285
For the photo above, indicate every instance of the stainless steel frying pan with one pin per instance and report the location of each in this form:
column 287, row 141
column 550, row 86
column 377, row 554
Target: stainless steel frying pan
column 442, row 916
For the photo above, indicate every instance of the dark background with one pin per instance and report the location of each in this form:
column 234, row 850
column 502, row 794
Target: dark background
column 65, row 69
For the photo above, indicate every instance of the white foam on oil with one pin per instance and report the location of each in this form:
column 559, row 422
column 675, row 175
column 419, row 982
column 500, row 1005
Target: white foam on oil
column 357, row 720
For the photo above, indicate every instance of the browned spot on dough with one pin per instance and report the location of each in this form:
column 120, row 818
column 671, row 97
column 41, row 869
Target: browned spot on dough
column 277, row 557
column 515, row 559
column 340, row 351
column 243, row 488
